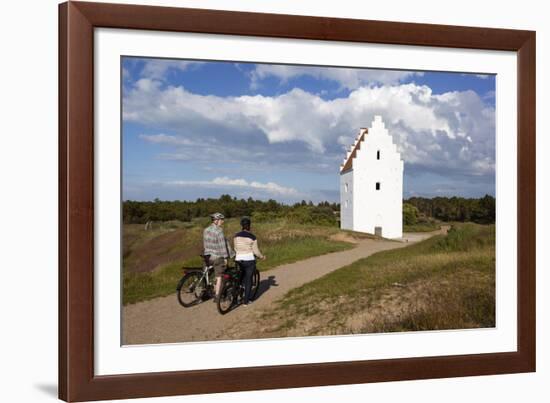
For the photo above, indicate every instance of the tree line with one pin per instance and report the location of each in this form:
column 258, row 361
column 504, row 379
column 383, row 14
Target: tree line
column 479, row 210
column 415, row 209
column 140, row 212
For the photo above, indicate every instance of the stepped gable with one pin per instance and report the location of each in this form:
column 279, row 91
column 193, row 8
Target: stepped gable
column 348, row 161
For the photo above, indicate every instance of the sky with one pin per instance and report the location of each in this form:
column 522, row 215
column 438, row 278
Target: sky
column 198, row 129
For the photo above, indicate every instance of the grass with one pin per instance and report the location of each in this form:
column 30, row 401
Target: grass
column 161, row 282
column 445, row 282
column 426, row 226
column 154, row 260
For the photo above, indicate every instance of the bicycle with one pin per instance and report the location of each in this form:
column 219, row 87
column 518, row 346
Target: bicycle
column 197, row 285
column 232, row 293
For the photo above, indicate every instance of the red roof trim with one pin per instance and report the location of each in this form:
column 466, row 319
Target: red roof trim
column 348, row 164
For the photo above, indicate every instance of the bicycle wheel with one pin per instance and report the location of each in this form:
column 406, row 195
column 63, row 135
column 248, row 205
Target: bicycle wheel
column 255, row 285
column 190, row 288
column 227, row 298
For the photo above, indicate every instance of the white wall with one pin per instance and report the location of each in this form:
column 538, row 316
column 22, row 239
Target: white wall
column 383, row 207
column 28, row 162
column 346, row 200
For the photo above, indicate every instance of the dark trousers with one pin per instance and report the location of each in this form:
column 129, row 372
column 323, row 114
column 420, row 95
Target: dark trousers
column 247, row 269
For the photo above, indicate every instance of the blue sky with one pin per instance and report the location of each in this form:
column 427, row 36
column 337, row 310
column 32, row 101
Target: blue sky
column 202, row 128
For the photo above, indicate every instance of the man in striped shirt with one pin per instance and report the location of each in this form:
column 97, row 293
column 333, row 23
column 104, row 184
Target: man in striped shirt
column 216, row 246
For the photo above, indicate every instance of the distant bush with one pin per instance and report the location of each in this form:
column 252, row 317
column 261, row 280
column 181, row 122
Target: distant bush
column 410, row 214
column 322, row 215
column 318, row 215
column 265, row 216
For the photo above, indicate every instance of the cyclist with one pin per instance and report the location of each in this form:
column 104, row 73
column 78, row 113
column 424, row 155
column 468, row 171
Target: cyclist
column 246, row 248
column 216, row 245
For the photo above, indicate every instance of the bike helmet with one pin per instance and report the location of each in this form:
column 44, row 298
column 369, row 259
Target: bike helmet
column 217, row 216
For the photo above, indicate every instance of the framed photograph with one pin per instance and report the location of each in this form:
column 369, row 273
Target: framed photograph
column 255, row 201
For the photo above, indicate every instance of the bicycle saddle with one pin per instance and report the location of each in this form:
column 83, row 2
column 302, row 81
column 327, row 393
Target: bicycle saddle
column 206, row 259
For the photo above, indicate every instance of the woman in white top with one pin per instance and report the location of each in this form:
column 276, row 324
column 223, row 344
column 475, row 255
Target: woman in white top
column 247, row 250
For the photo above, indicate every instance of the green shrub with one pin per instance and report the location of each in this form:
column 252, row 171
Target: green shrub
column 315, row 215
column 410, row 214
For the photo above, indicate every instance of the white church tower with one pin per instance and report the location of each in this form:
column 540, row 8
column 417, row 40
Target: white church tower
column 371, row 184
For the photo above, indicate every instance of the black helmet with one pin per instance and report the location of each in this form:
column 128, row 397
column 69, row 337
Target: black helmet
column 245, row 222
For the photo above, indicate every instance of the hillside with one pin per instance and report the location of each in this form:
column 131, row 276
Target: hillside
column 154, row 259
column 445, row 282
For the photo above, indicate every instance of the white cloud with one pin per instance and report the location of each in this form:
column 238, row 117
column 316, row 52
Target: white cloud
column 225, row 182
column 166, row 139
column 157, row 68
column 346, row 77
column 450, row 132
column 126, row 74
column 481, row 76
column 489, row 95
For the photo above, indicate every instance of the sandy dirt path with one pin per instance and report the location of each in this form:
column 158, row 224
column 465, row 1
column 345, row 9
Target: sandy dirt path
column 164, row 320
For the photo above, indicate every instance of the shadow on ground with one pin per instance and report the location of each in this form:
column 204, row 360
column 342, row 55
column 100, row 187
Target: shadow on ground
column 48, row 389
column 265, row 285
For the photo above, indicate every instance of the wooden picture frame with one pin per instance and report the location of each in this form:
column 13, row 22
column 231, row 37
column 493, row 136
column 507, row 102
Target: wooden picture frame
column 77, row 21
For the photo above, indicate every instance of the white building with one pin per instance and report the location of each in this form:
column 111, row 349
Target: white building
column 371, row 184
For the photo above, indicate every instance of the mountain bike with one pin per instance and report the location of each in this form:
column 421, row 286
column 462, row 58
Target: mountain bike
column 232, row 293
column 197, row 285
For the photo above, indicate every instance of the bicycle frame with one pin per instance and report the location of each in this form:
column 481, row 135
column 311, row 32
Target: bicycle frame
column 206, row 274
